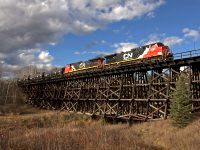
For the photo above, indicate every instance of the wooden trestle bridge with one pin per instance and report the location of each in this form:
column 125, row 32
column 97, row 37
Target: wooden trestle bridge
column 133, row 90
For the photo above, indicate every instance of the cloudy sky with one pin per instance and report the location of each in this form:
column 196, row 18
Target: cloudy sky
column 50, row 33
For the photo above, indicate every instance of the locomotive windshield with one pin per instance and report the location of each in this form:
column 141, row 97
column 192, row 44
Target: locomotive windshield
column 160, row 44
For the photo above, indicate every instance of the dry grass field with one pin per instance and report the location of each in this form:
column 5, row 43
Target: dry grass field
column 51, row 130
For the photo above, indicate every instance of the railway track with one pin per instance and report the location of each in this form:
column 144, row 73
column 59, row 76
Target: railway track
column 134, row 90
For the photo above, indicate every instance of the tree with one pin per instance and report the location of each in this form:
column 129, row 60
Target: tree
column 181, row 105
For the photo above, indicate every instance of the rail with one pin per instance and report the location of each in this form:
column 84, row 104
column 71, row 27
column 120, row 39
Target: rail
column 187, row 54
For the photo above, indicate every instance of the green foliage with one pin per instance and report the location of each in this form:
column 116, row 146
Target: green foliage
column 181, row 105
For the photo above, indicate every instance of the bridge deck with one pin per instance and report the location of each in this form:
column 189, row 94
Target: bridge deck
column 137, row 90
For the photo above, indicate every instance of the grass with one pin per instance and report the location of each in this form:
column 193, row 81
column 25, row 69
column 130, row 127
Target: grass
column 17, row 109
column 61, row 130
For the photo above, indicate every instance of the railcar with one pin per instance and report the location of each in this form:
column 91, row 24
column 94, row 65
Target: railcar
column 156, row 50
column 82, row 65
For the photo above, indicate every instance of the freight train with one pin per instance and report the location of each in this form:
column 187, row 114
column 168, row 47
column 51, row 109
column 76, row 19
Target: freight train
column 156, row 50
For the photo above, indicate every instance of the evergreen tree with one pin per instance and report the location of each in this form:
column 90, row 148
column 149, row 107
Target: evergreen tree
column 181, row 105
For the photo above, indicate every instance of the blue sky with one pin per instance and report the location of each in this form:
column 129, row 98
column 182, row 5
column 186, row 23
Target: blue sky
column 49, row 33
column 166, row 21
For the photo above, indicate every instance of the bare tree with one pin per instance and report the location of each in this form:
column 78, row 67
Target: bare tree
column 1, row 71
column 27, row 71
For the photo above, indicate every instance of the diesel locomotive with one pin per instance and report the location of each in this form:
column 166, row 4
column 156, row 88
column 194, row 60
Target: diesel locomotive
column 156, row 50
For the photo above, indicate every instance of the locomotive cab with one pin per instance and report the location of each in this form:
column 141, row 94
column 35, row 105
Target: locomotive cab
column 163, row 49
column 166, row 51
column 157, row 49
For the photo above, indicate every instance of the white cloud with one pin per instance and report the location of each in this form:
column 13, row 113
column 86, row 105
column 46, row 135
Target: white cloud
column 29, row 24
column 167, row 40
column 151, row 15
column 77, row 53
column 131, row 9
column 153, row 38
column 172, row 40
column 191, row 33
column 115, row 45
column 22, row 58
column 103, row 42
column 123, row 47
column 45, row 57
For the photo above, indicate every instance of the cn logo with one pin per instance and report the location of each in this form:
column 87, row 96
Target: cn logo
column 127, row 56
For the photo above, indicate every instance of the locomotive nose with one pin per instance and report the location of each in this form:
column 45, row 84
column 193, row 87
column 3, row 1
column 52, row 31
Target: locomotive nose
column 166, row 50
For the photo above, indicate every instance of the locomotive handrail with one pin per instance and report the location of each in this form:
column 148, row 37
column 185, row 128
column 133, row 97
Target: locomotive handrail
column 187, row 54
